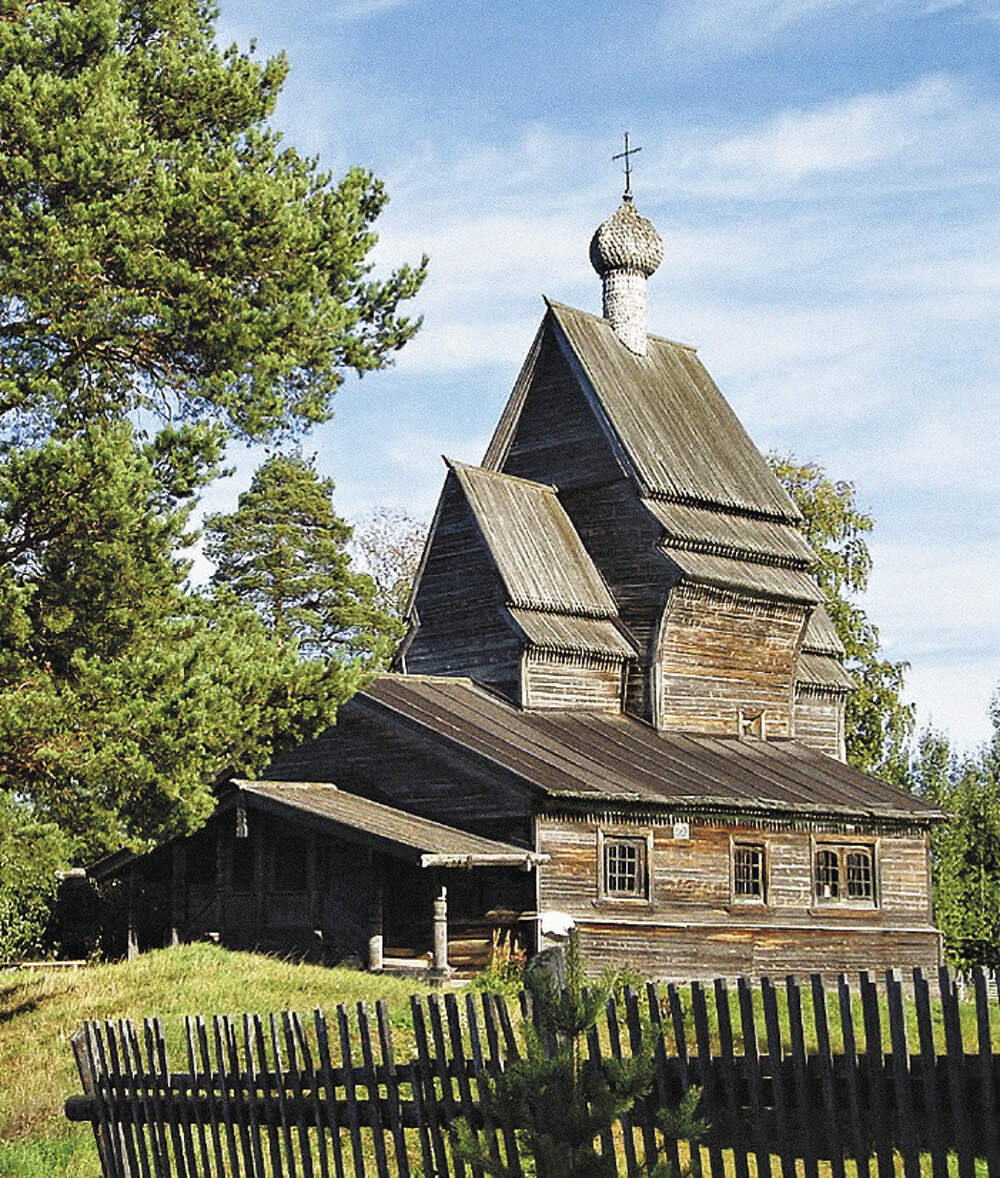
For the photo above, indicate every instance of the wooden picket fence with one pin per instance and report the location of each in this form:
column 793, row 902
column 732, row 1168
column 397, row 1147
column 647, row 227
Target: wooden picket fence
column 794, row 1079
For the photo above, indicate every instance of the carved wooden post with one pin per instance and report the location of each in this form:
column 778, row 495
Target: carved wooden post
column 178, row 893
column 441, row 934
column 132, row 939
column 376, row 940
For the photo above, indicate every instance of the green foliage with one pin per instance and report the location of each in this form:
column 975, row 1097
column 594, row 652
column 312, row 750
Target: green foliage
column 504, row 969
column 559, row 1100
column 161, row 248
column 879, row 724
column 30, row 854
column 283, row 551
column 122, row 695
column 966, row 849
column 171, row 277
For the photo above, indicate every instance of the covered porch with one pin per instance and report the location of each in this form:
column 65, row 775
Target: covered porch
column 308, row 870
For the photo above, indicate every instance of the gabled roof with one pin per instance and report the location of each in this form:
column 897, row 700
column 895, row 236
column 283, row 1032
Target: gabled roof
column 676, row 435
column 540, row 557
column 610, row 758
column 745, row 575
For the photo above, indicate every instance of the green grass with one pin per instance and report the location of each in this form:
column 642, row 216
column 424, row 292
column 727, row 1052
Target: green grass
column 39, row 1012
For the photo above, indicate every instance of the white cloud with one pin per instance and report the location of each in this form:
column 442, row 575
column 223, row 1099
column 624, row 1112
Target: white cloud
column 355, row 9
column 736, row 28
column 843, row 136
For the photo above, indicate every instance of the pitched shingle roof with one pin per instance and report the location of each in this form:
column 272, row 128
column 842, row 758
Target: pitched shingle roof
column 385, row 824
column 605, row 757
column 676, row 433
column 706, row 529
column 540, row 557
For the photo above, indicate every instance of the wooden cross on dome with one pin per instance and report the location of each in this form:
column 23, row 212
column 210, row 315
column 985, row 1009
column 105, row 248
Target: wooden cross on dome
column 628, row 169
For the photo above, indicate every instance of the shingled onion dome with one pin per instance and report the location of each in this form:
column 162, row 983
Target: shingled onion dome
column 624, row 251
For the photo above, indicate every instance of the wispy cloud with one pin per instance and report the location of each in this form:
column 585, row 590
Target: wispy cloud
column 736, row 28
column 355, row 9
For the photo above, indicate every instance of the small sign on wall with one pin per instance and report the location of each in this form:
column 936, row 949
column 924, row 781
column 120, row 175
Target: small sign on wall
column 682, row 830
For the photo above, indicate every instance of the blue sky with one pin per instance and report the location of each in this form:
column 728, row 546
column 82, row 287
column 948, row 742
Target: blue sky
column 824, row 174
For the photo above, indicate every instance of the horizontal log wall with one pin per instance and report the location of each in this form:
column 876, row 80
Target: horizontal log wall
column 691, row 923
column 818, row 720
column 563, row 681
column 721, row 652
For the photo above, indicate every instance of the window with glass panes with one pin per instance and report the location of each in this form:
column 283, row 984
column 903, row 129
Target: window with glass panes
column 845, row 875
column 625, row 867
column 748, row 871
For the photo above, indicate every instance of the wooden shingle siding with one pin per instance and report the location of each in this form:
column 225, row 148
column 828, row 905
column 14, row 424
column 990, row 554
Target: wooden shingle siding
column 554, row 681
column 721, row 652
column 818, row 720
column 460, row 603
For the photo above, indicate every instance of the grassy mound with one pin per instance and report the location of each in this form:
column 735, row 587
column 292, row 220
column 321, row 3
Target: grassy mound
column 40, row 1011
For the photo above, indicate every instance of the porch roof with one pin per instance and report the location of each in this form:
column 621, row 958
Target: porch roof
column 433, row 844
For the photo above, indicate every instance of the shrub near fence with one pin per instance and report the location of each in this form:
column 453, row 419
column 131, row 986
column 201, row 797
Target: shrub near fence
column 791, row 1075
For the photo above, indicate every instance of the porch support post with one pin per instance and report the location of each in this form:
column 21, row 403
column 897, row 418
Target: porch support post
column 376, row 939
column 178, row 893
column 441, row 934
column 132, row 939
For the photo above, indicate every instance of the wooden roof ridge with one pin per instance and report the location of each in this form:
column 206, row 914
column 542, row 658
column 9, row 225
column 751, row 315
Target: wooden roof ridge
column 558, row 305
column 453, row 463
column 536, row 549
column 671, row 429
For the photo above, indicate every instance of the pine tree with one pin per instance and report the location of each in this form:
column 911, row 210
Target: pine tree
column 560, row 1101
column 284, row 551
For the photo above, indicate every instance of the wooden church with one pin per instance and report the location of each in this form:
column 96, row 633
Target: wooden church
column 620, row 703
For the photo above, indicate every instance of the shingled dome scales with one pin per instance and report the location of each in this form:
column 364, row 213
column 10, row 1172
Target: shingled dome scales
column 625, row 250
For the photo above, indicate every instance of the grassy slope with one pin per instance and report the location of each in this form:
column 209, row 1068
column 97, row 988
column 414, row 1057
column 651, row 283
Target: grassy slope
column 39, row 1013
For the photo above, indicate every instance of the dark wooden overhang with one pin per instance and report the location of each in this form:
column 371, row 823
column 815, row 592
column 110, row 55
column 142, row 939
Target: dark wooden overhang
column 608, row 757
column 394, row 832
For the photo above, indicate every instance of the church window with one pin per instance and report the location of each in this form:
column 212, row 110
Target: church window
column 624, row 868
column 748, row 871
column 845, row 875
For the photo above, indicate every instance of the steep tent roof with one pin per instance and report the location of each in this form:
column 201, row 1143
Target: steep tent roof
column 675, row 432
column 606, row 757
column 538, row 553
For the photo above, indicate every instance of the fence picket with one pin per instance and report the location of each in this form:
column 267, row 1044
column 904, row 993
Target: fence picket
column 391, row 1081
column 350, row 1092
column 280, row 1088
column 225, row 1084
column 370, row 1081
column 252, row 1093
column 294, row 1076
column 901, row 1077
column 200, row 1091
column 955, row 1053
column 594, row 1058
column 495, row 1067
column 824, row 1059
column 708, row 1075
column 857, row 1124
column 987, row 1092
column 878, row 1109
column 312, row 1074
column 615, row 1043
column 930, row 1118
column 137, row 1093
column 329, row 1099
column 444, row 1073
column 431, row 1103
column 796, row 1037
column 751, row 1068
column 643, row 1106
column 730, row 1080
column 663, row 1094
column 775, row 1057
column 153, row 1081
column 128, row 1123
column 158, row 1045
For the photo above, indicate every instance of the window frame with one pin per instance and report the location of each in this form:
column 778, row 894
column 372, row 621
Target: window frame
column 739, row 843
column 842, row 849
column 642, row 841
